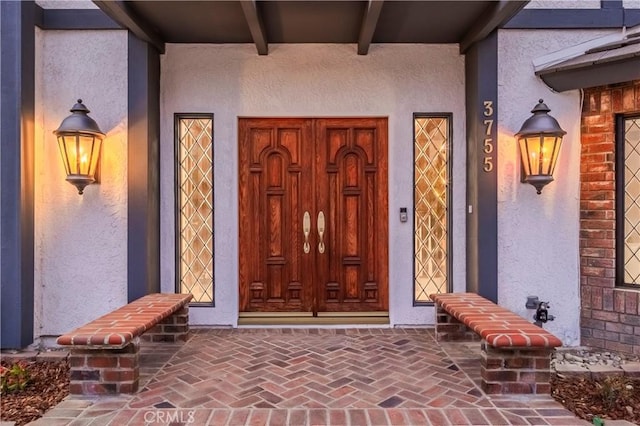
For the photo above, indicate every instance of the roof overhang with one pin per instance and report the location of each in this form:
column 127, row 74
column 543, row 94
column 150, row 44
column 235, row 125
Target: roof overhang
column 607, row 60
column 359, row 22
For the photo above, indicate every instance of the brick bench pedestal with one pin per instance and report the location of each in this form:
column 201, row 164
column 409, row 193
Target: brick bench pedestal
column 515, row 370
column 104, row 354
column 105, row 371
column 516, row 354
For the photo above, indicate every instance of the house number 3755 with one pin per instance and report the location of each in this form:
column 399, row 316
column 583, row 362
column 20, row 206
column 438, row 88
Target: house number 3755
column 487, row 145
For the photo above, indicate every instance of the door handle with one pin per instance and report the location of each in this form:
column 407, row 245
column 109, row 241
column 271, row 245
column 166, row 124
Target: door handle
column 306, row 230
column 321, row 229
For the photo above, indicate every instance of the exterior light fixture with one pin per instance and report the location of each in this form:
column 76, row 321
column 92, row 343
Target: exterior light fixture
column 539, row 139
column 80, row 141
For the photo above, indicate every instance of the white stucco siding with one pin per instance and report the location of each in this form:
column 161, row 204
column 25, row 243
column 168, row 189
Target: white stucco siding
column 311, row 80
column 563, row 4
column 66, row 4
column 576, row 4
column 80, row 240
column 538, row 234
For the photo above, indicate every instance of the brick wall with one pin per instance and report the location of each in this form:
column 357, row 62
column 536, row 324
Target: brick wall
column 610, row 317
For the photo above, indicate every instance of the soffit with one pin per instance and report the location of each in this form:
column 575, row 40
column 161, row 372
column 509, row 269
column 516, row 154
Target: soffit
column 289, row 21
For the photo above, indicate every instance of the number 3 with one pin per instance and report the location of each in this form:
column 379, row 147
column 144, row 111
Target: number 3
column 488, row 108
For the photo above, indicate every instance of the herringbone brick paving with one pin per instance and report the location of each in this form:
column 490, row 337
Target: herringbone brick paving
column 291, row 376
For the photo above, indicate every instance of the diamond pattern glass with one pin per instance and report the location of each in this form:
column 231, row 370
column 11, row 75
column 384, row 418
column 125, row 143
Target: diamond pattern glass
column 632, row 201
column 431, row 199
column 195, row 206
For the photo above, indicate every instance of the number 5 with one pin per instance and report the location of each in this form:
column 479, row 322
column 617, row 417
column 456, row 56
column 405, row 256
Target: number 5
column 488, row 164
column 488, row 146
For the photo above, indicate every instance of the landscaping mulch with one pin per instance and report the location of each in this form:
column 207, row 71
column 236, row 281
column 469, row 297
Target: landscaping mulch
column 48, row 385
column 613, row 397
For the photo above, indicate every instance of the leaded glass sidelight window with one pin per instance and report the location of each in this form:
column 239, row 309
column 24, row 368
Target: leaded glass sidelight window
column 628, row 193
column 194, row 209
column 431, row 141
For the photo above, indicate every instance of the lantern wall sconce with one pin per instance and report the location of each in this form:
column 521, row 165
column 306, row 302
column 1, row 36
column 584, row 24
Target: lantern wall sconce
column 539, row 140
column 80, row 143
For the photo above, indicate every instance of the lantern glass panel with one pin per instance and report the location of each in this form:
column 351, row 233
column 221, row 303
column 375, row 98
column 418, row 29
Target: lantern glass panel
column 546, row 150
column 526, row 155
column 63, row 141
column 84, row 155
column 557, row 143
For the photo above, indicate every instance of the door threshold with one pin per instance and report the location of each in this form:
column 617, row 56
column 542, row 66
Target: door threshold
column 306, row 318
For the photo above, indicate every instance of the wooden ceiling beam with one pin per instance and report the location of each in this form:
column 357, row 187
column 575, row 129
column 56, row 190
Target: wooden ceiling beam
column 125, row 16
column 497, row 14
column 368, row 28
column 256, row 27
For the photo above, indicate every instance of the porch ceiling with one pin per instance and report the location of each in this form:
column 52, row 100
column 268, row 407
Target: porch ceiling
column 288, row 21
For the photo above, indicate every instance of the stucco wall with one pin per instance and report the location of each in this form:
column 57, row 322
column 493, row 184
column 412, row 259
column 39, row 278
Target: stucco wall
column 538, row 234
column 563, row 4
column 66, row 4
column 311, row 80
column 80, row 240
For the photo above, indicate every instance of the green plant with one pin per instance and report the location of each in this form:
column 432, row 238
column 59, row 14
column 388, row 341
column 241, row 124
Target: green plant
column 613, row 390
column 14, row 378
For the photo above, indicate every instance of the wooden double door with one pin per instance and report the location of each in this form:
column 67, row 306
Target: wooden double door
column 313, row 215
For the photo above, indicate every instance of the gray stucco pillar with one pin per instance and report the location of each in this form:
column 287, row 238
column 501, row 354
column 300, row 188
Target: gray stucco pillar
column 17, row 30
column 481, row 74
column 143, row 228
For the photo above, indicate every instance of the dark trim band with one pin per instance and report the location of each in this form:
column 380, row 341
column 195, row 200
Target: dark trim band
column 607, row 17
column 74, row 19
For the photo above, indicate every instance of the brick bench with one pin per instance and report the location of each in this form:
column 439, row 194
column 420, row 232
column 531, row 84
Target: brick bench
column 104, row 354
column 516, row 354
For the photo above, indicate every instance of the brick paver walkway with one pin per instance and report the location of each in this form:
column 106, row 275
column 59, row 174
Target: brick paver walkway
column 372, row 376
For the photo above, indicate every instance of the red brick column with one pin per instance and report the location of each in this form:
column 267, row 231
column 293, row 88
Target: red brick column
column 174, row 328
column 610, row 316
column 105, row 371
column 515, row 370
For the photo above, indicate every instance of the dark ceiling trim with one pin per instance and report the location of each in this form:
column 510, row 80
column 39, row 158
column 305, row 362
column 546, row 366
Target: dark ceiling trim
column 256, row 27
column 567, row 19
column 495, row 16
column 368, row 28
column 631, row 17
column 611, row 4
column 592, row 75
column 126, row 17
column 37, row 15
column 74, row 19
